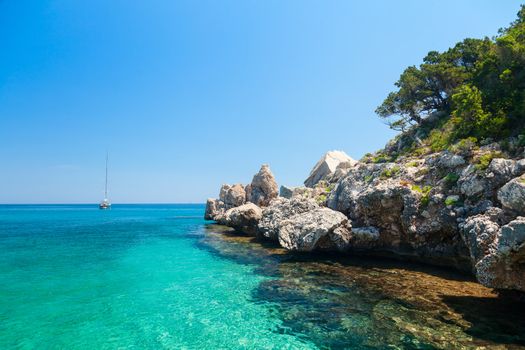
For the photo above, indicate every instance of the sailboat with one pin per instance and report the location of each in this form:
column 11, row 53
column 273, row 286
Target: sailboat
column 105, row 204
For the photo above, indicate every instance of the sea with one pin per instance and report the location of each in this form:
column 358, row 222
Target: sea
column 159, row 276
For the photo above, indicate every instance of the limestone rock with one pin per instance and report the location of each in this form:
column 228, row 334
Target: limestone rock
column 504, row 267
column 449, row 160
column 471, row 183
column 263, row 187
column 214, row 208
column 364, row 237
column 232, row 196
column 321, row 228
column 281, row 209
column 286, row 192
column 327, row 165
column 507, row 168
column 243, row 218
column 512, row 195
column 479, row 232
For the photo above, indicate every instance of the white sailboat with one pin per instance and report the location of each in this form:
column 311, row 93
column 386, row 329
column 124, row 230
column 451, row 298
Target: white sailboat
column 105, row 204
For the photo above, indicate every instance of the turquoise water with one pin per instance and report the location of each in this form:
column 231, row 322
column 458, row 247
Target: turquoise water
column 75, row 277
column 160, row 277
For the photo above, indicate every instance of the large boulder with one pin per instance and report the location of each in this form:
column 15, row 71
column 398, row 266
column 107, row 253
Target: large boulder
column 326, row 166
column 479, row 232
column 232, row 195
column 389, row 206
column 497, row 250
column 279, row 210
column 318, row 229
column 512, row 195
column 286, row 191
column 447, row 160
column 471, row 183
column 214, row 208
column 263, row 187
column 243, row 218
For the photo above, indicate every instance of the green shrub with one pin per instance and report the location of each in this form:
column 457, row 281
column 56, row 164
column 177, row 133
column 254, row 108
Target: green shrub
column 390, row 172
column 451, row 179
column 321, row 198
column 452, row 201
column 421, row 151
column 425, row 191
column 368, row 178
column 329, row 188
column 413, row 163
column 380, row 159
column 438, row 140
column 465, row 146
column 367, row 158
column 485, row 159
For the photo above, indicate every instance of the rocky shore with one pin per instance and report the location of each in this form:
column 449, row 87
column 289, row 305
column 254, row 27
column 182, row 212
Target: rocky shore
column 451, row 209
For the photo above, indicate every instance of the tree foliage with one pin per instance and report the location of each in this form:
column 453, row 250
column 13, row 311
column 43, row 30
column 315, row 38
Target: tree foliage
column 478, row 83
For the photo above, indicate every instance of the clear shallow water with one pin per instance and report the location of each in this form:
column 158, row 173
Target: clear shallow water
column 74, row 277
column 159, row 277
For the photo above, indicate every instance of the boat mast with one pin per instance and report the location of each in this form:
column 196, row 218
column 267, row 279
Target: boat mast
column 106, row 187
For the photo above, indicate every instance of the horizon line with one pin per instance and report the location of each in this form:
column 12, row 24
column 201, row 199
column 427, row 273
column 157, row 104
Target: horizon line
column 96, row 203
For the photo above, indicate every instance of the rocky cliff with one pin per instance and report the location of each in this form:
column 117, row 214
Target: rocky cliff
column 455, row 209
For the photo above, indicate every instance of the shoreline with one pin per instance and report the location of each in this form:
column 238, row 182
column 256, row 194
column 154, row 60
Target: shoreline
column 404, row 210
column 400, row 302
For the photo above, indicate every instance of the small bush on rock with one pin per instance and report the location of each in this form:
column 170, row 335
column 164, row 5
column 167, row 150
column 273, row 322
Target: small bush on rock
column 425, row 191
column 387, row 173
column 485, row 159
column 451, row 179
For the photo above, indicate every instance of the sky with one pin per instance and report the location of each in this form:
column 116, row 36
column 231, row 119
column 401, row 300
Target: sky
column 188, row 95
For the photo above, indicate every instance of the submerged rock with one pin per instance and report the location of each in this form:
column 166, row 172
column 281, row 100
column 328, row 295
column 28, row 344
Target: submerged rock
column 326, row 166
column 318, row 229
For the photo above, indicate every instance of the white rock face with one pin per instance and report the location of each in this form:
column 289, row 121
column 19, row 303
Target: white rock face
column 279, row 210
column 326, row 166
column 321, row 228
column 243, row 218
column 449, row 160
column 232, row 195
column 497, row 252
column 512, row 195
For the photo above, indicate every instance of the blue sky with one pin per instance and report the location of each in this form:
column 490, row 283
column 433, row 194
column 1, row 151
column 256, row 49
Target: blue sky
column 187, row 95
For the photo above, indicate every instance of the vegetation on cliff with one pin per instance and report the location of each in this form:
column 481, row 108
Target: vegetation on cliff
column 471, row 94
